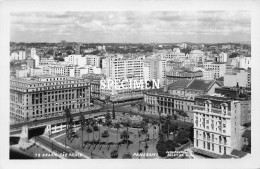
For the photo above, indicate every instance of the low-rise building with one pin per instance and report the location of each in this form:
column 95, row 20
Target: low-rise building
column 177, row 97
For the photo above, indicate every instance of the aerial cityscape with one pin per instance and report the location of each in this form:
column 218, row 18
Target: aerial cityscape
column 130, row 85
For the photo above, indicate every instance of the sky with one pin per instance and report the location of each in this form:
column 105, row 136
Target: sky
column 132, row 26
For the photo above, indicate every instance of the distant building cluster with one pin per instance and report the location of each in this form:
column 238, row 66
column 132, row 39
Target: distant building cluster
column 207, row 86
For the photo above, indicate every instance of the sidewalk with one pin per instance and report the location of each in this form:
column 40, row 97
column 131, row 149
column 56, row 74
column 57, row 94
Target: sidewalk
column 67, row 147
column 49, row 150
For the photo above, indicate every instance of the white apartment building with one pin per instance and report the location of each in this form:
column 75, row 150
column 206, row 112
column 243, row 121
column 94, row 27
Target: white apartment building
column 172, row 55
column 14, row 56
column 150, row 68
column 161, row 73
column 72, row 71
column 33, row 52
column 48, row 61
column 240, row 61
column 207, row 74
column 117, row 68
column 216, row 125
column 239, row 76
column 21, row 55
column 37, row 60
column 18, row 56
column 75, row 60
column 218, row 68
column 222, row 57
column 93, row 60
column 176, row 50
column 22, row 72
column 245, row 62
column 197, row 55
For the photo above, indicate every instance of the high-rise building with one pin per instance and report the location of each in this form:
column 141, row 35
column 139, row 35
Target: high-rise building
column 150, row 68
column 222, row 57
column 118, row 69
column 37, row 60
column 21, row 55
column 33, row 52
column 121, row 68
column 46, row 96
column 93, row 60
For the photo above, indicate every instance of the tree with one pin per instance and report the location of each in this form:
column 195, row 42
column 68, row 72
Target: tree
column 154, row 127
column 127, row 155
column 108, row 123
column 161, row 149
column 127, row 125
column 144, row 125
column 124, row 135
column 174, row 117
column 114, row 154
column 182, row 137
column 164, row 146
column 117, row 126
column 69, row 123
column 99, row 123
column 139, row 135
column 168, row 123
column 82, row 125
column 183, row 114
column 87, row 123
column 93, row 123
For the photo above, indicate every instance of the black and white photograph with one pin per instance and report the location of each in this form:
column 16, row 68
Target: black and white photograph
column 151, row 84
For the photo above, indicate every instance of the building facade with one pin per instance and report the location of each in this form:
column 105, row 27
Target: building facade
column 216, row 125
column 75, row 60
column 93, row 60
column 218, row 68
column 46, row 96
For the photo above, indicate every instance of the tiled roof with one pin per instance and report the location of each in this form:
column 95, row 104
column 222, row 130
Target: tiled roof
column 201, row 84
column 182, row 83
column 247, row 134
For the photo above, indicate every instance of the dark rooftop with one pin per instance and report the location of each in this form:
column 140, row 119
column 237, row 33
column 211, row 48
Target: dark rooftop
column 201, row 84
column 182, row 83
